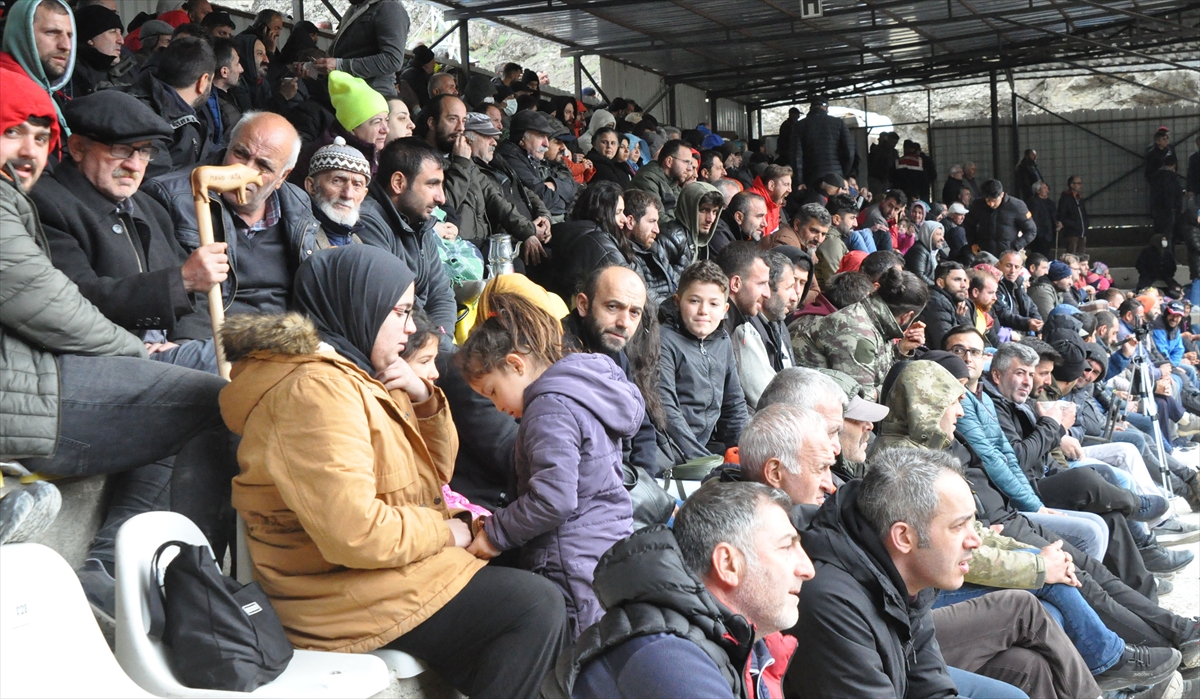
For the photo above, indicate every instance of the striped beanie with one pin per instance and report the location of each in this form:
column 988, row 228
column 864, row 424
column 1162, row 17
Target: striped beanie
column 339, row 156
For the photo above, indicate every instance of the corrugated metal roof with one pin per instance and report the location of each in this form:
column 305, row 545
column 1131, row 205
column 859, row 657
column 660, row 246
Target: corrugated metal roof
column 763, row 52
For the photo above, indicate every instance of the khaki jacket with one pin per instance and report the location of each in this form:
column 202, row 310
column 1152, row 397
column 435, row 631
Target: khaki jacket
column 340, row 488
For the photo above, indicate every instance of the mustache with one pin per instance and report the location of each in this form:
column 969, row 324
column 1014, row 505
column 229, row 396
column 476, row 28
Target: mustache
column 22, row 162
column 122, row 172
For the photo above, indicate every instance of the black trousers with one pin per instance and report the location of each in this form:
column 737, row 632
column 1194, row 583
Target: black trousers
column 1133, row 616
column 499, row 637
column 1084, row 490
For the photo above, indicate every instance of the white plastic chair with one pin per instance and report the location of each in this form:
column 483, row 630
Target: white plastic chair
column 52, row 645
column 310, row 674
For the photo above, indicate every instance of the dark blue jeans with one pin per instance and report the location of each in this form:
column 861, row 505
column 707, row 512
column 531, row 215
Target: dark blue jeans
column 156, row 424
column 974, row 686
column 1099, row 647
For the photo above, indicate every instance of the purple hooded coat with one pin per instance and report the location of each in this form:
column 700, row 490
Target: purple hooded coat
column 571, row 503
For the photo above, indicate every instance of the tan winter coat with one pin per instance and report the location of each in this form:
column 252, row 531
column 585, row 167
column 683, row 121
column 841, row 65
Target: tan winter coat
column 340, row 487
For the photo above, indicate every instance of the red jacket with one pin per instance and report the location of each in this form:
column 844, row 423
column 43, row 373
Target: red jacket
column 772, row 221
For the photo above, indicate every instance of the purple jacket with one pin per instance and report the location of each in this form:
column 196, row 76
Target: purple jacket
column 571, row 503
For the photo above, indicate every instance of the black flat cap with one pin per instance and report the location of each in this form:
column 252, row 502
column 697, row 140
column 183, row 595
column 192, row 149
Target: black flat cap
column 112, row 116
column 530, row 120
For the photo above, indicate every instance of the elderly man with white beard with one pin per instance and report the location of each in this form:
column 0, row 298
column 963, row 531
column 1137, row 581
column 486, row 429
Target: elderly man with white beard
column 338, row 176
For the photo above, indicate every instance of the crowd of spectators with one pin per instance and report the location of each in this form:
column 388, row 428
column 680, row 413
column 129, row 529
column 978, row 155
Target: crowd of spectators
column 470, row 323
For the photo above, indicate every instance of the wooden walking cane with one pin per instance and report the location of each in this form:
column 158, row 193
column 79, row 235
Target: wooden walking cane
column 225, row 178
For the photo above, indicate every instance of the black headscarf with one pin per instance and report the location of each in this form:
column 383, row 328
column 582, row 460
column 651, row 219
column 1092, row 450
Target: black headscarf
column 348, row 292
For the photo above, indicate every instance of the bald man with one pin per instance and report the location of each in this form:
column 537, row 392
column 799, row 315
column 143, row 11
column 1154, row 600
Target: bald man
column 271, row 233
column 609, row 311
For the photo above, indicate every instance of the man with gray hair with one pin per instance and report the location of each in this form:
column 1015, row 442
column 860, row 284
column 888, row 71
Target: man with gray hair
column 882, row 549
column 787, row 447
column 849, row 418
column 696, row 612
column 269, row 234
column 338, row 176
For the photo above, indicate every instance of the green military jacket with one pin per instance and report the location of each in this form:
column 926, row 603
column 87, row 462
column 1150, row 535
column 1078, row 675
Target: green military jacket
column 857, row 341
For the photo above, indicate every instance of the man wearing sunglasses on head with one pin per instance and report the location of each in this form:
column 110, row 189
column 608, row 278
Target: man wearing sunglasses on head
column 117, row 244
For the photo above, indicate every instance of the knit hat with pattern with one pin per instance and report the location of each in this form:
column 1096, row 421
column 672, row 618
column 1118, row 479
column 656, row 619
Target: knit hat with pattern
column 339, row 156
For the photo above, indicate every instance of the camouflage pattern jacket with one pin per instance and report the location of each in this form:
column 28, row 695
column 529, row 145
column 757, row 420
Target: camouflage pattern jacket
column 857, row 341
column 922, row 393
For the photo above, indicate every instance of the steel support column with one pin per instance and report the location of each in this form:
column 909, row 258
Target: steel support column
column 464, row 50
column 1015, row 152
column 297, row 12
column 712, row 113
column 749, row 123
column 577, row 68
column 674, row 106
column 996, row 169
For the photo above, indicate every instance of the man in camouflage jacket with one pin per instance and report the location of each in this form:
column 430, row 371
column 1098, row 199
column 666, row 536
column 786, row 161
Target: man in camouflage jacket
column 857, row 341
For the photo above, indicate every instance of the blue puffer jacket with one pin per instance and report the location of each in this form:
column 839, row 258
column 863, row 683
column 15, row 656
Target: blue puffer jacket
column 982, row 431
column 1168, row 341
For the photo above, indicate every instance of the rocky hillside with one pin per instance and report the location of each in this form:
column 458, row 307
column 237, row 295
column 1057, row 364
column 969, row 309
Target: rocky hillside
column 491, row 45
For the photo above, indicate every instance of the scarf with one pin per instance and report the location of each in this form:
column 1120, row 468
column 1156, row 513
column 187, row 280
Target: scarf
column 348, row 293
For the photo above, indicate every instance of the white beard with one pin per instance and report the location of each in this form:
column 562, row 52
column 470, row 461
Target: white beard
column 336, row 215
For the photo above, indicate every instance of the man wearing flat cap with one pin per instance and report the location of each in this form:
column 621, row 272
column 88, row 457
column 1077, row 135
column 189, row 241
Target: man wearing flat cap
column 525, row 151
column 529, row 217
column 118, row 244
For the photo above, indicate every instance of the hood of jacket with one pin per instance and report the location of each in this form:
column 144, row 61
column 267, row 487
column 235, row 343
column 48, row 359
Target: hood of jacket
column 244, row 43
column 687, row 211
column 882, row 317
column 840, row 536
column 19, row 41
column 646, row 589
column 264, row 349
column 648, row 568
column 593, row 383
column 922, row 393
column 925, row 234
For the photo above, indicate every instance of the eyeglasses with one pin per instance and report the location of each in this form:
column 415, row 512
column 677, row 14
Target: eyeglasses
column 124, row 151
column 403, row 313
column 964, row 352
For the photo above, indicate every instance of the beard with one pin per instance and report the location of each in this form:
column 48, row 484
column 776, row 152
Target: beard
column 763, row 603
column 445, row 140
column 52, row 71
column 605, row 336
column 339, row 215
column 775, row 308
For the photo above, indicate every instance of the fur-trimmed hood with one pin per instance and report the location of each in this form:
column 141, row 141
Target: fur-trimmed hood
column 265, row 349
column 285, row 333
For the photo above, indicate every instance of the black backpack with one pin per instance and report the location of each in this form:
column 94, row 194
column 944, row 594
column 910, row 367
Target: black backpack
column 219, row 633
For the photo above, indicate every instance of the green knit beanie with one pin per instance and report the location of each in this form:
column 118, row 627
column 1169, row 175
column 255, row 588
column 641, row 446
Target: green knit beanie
column 354, row 100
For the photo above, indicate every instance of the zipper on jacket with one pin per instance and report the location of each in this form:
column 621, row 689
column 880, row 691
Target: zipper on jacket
column 132, row 247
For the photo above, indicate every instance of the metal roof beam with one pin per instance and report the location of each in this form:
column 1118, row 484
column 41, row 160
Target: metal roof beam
column 641, row 45
column 1025, row 53
column 513, row 8
column 1110, row 47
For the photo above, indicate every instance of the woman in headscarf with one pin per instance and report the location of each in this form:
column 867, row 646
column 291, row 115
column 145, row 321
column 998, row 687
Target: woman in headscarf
column 343, row 456
column 922, row 258
column 603, row 157
column 600, row 119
